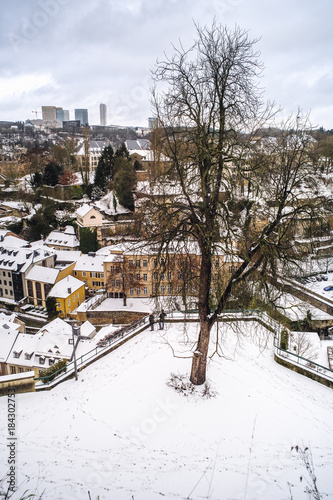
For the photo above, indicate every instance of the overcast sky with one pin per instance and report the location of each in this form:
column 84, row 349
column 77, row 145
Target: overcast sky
column 79, row 53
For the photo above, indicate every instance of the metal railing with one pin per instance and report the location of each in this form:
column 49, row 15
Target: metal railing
column 67, row 371
column 228, row 315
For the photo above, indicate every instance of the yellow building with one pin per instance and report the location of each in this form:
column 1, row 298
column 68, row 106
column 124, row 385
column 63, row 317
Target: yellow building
column 89, row 269
column 69, row 293
column 40, row 280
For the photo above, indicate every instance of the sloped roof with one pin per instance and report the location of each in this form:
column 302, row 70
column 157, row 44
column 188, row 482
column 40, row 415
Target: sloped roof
column 90, row 263
column 43, row 274
column 60, row 289
column 84, row 210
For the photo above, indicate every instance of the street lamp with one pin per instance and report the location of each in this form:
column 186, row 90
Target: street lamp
column 75, row 332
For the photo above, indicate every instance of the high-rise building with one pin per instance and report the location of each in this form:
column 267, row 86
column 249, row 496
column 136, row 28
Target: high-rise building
column 62, row 115
column 102, row 114
column 82, row 115
column 152, row 122
column 49, row 112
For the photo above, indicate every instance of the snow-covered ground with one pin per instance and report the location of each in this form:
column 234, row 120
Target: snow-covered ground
column 121, row 433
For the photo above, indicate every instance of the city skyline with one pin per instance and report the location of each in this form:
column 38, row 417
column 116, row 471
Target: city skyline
column 71, row 53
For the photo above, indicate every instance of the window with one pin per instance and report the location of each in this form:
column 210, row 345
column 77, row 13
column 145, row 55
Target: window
column 93, row 275
column 77, row 295
column 16, row 354
column 131, row 291
column 112, row 269
column 138, row 277
column 84, row 274
column 145, row 263
column 5, row 282
column 179, row 275
column 8, row 274
column 11, row 292
column 169, row 275
column 145, row 277
column 232, row 269
column 10, row 283
column 169, row 288
column 155, row 276
column 130, row 263
column 138, row 263
column 51, row 361
column 73, row 298
column 156, row 288
column 179, row 289
column 101, row 275
column 145, row 290
column 38, row 290
column 20, row 370
column 155, row 262
column 113, row 283
column 117, row 283
column 75, row 273
column 12, row 369
column 162, row 289
column 162, row 276
column 58, row 304
column 6, row 292
column 69, row 302
column 41, row 360
column 138, row 291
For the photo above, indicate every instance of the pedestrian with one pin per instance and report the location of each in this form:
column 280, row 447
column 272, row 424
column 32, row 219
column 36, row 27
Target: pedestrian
column 161, row 322
column 151, row 322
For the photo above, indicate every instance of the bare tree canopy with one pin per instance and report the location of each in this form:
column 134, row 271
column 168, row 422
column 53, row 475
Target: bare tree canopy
column 225, row 187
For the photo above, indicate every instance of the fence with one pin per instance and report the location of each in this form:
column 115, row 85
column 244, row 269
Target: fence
column 287, row 358
column 99, row 351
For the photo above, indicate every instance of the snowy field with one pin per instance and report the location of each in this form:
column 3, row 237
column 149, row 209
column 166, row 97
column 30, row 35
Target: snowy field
column 121, row 433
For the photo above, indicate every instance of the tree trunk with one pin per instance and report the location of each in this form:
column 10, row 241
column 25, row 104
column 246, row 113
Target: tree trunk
column 199, row 360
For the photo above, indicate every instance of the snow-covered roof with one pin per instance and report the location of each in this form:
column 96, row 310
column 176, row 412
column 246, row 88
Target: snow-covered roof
column 67, row 256
column 84, row 210
column 61, row 238
column 106, row 205
column 61, row 289
column 8, row 334
column 22, row 352
column 90, row 263
column 43, row 274
column 87, row 329
column 19, row 259
column 14, row 242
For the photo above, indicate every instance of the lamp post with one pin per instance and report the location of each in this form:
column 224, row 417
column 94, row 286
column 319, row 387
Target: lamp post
column 76, row 333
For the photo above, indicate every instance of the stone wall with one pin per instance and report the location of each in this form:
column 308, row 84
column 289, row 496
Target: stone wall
column 113, row 317
column 303, row 371
column 19, row 382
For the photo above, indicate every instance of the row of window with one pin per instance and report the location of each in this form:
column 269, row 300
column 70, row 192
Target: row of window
column 6, row 292
column 5, row 282
column 92, row 275
column 8, row 273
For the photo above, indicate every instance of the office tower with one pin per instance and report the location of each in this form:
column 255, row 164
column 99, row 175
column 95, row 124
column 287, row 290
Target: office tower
column 62, row 115
column 102, row 114
column 82, row 115
column 152, row 122
column 49, row 113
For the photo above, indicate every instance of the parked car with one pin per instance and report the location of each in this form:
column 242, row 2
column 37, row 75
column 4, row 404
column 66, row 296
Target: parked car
column 328, row 288
column 325, row 278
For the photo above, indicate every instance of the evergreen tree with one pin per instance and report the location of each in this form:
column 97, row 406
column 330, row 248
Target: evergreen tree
column 51, row 174
column 88, row 240
column 125, row 184
column 104, row 170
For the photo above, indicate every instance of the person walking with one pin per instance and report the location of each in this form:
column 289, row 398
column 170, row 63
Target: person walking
column 151, row 322
column 162, row 317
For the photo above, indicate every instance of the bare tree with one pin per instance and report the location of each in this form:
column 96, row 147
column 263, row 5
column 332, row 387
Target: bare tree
column 236, row 193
